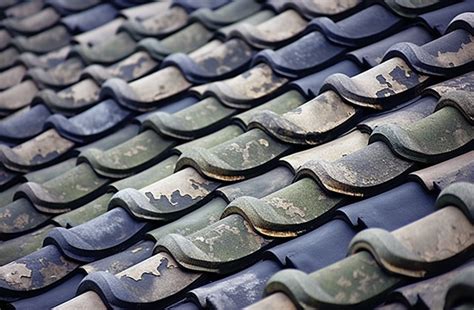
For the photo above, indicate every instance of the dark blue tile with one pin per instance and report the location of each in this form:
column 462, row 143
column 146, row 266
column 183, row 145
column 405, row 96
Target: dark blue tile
column 66, row 7
column 316, row 249
column 53, row 297
column 329, row 41
column 91, row 124
column 371, row 55
column 439, row 20
column 391, row 209
column 192, row 5
column 24, row 124
column 238, row 290
column 359, row 29
column 90, row 19
column 105, row 235
column 311, row 84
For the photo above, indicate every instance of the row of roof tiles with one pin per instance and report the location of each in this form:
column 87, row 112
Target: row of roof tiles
column 179, row 225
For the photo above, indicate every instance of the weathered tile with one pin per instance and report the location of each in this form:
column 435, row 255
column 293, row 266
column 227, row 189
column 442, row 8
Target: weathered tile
column 102, row 236
column 461, row 21
column 123, row 260
column 64, row 74
column 454, row 90
column 239, row 158
column 68, row 7
column 107, row 51
column 91, row 124
column 438, row 177
column 440, row 19
column 315, row 8
column 90, row 18
column 214, row 61
column 168, row 198
column 6, row 196
column 48, row 173
column 408, row 251
column 403, row 116
column 72, row 99
column 12, row 127
column 254, row 19
column 366, row 171
column 459, row 195
column 379, row 87
column 437, row 137
column 52, row 296
column 208, row 249
column 316, row 121
column 47, row 60
column 35, row 153
column 307, row 54
column 8, row 178
column 134, row 66
column 259, row 186
column 129, row 157
column 115, row 138
column 97, row 233
column 431, row 293
column 227, row 14
column 246, row 90
column 235, row 291
column 185, row 40
column 308, row 253
column 24, row 9
column 372, row 54
column 220, row 136
column 151, row 175
column 210, row 212
column 289, row 131
column 12, row 76
column 279, row 105
column 20, row 217
column 143, row 284
column 43, row 42
column 328, row 41
column 159, row 25
column 310, row 85
column 194, row 221
column 21, row 246
column 97, row 35
column 144, row 11
column 144, row 93
column 8, row 57
column 34, row 23
column 17, row 97
column 410, row 8
column 289, row 211
column 276, row 300
column 5, row 39
column 273, row 32
column 329, row 151
column 358, row 29
column 423, row 240
column 202, row 118
column 459, row 291
column 64, row 192
column 38, row 270
column 84, row 213
column 453, row 52
column 92, row 214
column 191, row 5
